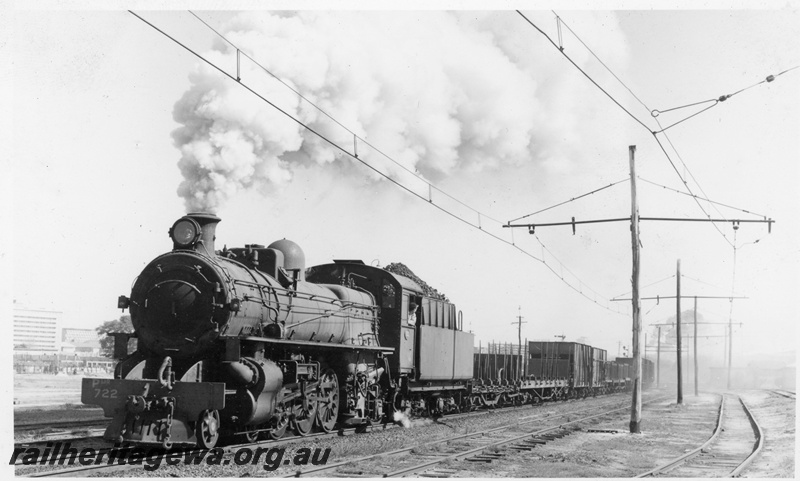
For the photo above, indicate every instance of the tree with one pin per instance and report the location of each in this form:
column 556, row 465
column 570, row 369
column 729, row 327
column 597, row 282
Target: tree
column 123, row 324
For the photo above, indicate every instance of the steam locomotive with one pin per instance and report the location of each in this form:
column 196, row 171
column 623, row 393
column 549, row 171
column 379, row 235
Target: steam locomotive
column 247, row 343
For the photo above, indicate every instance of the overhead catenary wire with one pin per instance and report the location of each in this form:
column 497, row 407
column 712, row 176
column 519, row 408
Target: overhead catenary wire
column 430, row 185
column 562, row 265
column 350, row 131
column 701, row 198
column 571, row 200
column 686, row 184
column 714, row 102
column 310, row 129
column 371, row 167
column 584, row 73
column 703, row 282
column 653, row 132
column 686, row 168
column 648, row 285
column 639, row 121
column 561, row 20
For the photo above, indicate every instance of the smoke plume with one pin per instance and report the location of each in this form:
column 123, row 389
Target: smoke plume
column 438, row 92
column 402, row 418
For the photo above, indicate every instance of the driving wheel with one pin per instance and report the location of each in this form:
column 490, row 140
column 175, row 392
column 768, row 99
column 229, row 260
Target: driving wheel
column 207, row 429
column 328, row 401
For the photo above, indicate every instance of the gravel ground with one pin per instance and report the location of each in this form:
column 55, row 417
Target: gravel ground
column 776, row 415
column 379, row 440
column 48, row 388
column 668, row 430
column 69, row 412
column 48, row 414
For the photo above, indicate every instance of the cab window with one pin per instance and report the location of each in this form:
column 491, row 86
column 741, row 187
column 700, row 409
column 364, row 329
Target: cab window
column 413, row 311
column 387, row 295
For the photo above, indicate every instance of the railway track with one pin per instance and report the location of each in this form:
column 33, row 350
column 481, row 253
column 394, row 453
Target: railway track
column 480, row 446
column 94, row 436
column 61, row 424
column 103, row 453
column 784, row 393
column 73, row 431
column 111, row 467
column 736, row 440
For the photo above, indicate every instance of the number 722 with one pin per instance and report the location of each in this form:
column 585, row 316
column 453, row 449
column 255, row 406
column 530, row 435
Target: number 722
column 105, row 393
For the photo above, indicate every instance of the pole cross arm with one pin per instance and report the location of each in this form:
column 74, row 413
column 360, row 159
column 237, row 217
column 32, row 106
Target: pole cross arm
column 735, row 222
column 681, row 297
column 698, row 323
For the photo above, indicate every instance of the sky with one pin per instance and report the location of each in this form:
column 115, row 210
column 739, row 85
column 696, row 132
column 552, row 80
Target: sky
column 117, row 131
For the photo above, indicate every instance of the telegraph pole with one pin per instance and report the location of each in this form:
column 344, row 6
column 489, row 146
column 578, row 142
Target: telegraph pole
column 678, row 304
column 730, row 349
column 636, row 401
column 519, row 322
column 679, row 336
column 658, row 360
column 695, row 346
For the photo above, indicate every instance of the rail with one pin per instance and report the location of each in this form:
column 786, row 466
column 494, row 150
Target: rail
column 758, row 444
column 739, row 466
column 682, row 459
column 474, row 451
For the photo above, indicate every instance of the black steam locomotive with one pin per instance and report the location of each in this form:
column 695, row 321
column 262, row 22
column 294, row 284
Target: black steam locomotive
column 247, row 343
column 239, row 342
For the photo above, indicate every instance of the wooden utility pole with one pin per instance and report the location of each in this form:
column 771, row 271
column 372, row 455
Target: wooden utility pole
column 519, row 322
column 695, row 346
column 494, row 362
column 480, row 351
column 525, row 363
column 658, row 360
column 636, row 401
column 680, row 367
column 730, row 347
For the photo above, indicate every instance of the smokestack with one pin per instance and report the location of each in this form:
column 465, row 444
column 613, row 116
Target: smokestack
column 208, row 225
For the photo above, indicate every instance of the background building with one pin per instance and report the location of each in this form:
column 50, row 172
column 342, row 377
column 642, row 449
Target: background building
column 42, row 346
column 82, row 342
column 36, row 331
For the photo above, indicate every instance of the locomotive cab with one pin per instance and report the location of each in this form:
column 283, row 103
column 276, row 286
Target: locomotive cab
column 434, row 356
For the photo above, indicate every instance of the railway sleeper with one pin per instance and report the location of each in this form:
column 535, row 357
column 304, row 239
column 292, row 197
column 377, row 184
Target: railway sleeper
column 535, row 441
column 492, row 455
column 439, row 473
column 522, row 447
column 486, row 457
column 352, row 473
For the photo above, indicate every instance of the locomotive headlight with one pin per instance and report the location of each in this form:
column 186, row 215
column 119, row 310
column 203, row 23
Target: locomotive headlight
column 185, row 232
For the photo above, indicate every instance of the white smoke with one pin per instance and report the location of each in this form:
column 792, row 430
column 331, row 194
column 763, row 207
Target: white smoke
column 402, row 419
column 438, row 92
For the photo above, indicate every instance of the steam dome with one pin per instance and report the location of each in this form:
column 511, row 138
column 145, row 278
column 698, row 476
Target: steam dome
column 293, row 256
